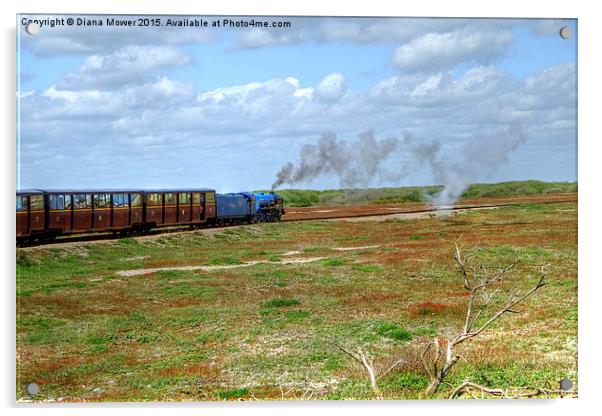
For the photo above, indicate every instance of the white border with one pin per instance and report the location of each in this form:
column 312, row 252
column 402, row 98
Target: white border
column 588, row 175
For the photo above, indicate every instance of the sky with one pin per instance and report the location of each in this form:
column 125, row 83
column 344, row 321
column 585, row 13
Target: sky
column 227, row 108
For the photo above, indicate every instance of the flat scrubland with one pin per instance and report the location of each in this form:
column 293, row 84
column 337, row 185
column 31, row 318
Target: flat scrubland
column 366, row 209
column 263, row 322
column 310, row 197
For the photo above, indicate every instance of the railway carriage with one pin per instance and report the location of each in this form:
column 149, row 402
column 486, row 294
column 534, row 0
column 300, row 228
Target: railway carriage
column 46, row 214
column 171, row 207
column 81, row 211
column 31, row 218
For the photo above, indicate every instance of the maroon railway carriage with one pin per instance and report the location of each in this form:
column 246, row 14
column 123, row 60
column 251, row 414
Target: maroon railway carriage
column 81, row 211
column 45, row 214
column 165, row 207
column 31, row 218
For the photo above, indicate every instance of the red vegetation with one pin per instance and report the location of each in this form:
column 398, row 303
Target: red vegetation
column 376, row 297
column 207, row 372
column 428, row 308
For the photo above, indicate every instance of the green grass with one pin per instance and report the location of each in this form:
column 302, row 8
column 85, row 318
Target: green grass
column 368, row 268
column 518, row 188
column 280, row 303
column 394, row 331
column 223, row 260
column 334, row 262
column 233, row 394
column 405, row 381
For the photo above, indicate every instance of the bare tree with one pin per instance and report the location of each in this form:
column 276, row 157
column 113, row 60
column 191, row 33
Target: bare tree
column 470, row 388
column 368, row 363
column 475, row 282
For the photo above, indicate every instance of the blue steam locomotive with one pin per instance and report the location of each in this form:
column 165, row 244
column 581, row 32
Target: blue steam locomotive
column 248, row 207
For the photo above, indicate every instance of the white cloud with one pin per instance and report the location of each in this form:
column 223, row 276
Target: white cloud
column 553, row 85
column 332, row 87
column 159, row 93
column 356, row 30
column 165, row 117
column 124, row 66
column 441, row 88
column 429, row 85
column 480, row 96
column 440, row 51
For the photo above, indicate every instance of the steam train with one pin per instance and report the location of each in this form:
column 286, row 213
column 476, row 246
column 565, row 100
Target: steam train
column 46, row 214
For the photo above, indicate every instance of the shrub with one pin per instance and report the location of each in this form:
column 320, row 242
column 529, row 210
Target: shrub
column 368, row 268
column 233, row 393
column 335, row 261
column 394, row 331
column 280, row 303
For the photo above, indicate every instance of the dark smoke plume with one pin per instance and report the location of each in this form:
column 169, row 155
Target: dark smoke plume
column 357, row 163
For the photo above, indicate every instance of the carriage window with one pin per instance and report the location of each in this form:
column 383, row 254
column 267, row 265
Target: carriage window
column 196, row 198
column 126, row 201
column 67, row 201
column 184, row 198
column 102, row 201
column 170, row 199
column 56, row 201
column 135, row 200
column 117, row 200
column 21, row 203
column 36, row 202
column 81, row 201
column 210, row 198
column 154, row 199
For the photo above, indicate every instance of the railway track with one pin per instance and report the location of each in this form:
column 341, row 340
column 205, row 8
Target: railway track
column 169, row 230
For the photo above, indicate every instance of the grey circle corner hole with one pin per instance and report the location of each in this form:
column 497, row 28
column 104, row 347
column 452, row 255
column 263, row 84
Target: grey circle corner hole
column 565, row 32
column 32, row 389
column 32, row 28
column 566, row 384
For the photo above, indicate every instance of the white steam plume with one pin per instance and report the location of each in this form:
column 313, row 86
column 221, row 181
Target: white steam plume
column 479, row 158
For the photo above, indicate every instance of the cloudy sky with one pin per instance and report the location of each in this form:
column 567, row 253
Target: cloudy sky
column 228, row 107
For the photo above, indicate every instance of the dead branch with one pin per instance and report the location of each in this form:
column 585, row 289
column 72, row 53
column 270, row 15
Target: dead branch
column 475, row 282
column 361, row 357
column 368, row 363
column 468, row 387
column 306, row 387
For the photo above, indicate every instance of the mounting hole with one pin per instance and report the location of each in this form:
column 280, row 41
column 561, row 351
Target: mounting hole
column 565, row 32
column 32, row 28
column 32, row 389
column 566, row 384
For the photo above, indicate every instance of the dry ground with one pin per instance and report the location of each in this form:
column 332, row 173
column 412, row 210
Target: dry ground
column 338, row 211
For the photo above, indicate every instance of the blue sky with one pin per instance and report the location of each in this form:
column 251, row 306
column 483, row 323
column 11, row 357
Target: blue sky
column 227, row 108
